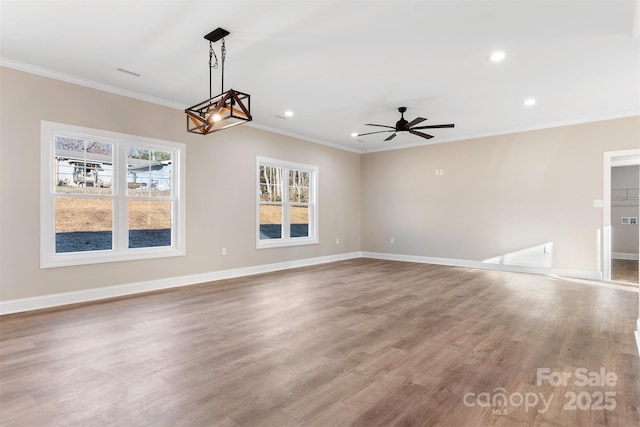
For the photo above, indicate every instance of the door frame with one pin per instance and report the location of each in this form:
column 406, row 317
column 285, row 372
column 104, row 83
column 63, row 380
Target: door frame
column 612, row 159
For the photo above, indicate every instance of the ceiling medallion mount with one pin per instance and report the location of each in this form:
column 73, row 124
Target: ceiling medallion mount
column 222, row 111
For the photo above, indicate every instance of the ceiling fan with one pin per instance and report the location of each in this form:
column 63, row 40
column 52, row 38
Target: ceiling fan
column 404, row 126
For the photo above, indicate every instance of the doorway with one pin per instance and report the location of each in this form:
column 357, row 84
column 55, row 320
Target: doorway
column 624, row 222
column 621, row 215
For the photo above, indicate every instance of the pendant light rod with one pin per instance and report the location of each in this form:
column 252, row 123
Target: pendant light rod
column 214, row 36
column 211, row 53
column 223, row 53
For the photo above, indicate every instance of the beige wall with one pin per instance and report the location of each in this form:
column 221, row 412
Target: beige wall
column 624, row 237
column 498, row 194
column 220, row 188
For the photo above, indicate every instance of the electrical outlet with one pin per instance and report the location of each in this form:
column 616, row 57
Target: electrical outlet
column 224, row 251
column 392, row 240
column 337, row 240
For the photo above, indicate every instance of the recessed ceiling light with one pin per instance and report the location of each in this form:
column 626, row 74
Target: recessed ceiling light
column 354, row 134
column 288, row 113
column 497, row 56
column 529, row 102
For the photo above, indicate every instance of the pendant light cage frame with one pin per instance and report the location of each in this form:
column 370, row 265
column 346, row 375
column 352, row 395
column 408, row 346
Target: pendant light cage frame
column 230, row 108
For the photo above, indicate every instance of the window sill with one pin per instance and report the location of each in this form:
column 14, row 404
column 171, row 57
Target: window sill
column 99, row 257
column 279, row 243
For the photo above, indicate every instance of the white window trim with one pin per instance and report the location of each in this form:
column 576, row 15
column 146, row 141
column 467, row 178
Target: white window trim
column 285, row 240
column 48, row 256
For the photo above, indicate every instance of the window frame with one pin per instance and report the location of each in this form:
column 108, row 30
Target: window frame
column 286, row 239
column 120, row 199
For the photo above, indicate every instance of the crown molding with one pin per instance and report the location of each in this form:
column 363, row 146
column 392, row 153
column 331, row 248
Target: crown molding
column 546, row 125
column 45, row 72
column 303, row 137
column 69, row 78
column 28, row 68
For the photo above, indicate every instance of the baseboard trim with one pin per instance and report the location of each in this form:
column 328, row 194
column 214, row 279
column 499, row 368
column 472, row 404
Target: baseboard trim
column 622, row 255
column 453, row 262
column 66, row 298
column 96, row 294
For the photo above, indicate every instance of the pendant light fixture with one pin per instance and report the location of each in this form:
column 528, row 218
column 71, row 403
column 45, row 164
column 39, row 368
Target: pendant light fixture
column 222, row 111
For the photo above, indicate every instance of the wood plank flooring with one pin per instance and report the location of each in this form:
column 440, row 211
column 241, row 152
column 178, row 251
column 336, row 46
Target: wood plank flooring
column 624, row 270
column 354, row 343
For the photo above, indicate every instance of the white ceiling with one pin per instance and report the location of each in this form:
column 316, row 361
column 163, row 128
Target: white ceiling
column 341, row 64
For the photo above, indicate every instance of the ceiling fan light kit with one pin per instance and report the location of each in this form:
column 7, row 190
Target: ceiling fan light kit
column 403, row 125
column 222, row 111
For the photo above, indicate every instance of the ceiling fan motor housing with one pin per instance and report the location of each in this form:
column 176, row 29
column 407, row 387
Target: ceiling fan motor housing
column 402, row 123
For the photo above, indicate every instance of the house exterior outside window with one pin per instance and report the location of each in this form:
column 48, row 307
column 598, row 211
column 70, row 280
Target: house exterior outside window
column 109, row 197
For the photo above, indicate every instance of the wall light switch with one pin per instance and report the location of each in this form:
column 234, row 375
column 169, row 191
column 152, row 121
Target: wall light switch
column 598, row 203
column 224, row 251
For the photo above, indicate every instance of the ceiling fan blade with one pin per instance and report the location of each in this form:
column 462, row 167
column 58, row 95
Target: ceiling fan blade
column 382, row 126
column 416, row 121
column 390, row 137
column 435, row 126
column 380, row 131
column 424, row 135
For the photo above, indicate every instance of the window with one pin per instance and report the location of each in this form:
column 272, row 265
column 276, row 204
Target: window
column 108, row 196
column 287, row 207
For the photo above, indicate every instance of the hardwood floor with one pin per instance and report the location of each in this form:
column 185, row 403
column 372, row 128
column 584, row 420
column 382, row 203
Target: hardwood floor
column 624, row 270
column 360, row 342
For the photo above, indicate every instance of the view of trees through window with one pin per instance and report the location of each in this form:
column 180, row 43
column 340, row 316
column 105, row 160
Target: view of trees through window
column 284, row 202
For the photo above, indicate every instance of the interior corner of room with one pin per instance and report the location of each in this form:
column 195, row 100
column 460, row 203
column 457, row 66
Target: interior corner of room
column 471, row 161
column 525, row 202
